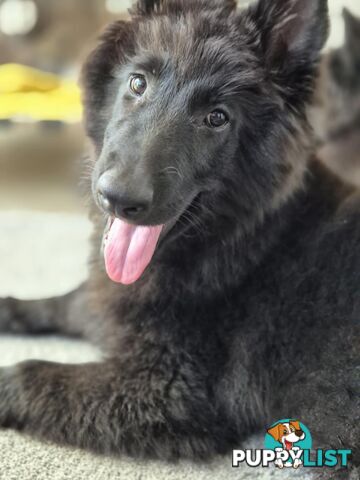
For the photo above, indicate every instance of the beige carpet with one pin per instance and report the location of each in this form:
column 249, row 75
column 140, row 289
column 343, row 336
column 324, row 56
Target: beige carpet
column 45, row 254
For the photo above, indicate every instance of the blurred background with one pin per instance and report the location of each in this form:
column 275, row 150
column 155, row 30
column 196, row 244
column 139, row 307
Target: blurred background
column 43, row 223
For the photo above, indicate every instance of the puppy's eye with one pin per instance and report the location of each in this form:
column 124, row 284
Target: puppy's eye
column 216, row 119
column 138, row 84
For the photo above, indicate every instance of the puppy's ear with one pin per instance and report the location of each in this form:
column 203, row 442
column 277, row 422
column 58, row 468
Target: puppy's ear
column 276, row 432
column 352, row 34
column 116, row 41
column 291, row 30
column 146, row 7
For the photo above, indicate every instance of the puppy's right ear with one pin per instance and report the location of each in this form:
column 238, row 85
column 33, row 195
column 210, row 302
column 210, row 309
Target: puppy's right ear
column 116, row 41
column 146, row 7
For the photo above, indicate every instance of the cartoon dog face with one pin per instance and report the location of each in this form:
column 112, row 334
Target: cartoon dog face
column 287, row 433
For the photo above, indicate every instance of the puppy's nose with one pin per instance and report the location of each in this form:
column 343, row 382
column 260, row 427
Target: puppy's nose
column 120, row 202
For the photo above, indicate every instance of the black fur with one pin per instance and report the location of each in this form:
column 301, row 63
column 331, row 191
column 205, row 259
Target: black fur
column 249, row 311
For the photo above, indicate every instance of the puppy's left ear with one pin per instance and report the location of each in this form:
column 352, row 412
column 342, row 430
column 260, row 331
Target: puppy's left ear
column 291, row 30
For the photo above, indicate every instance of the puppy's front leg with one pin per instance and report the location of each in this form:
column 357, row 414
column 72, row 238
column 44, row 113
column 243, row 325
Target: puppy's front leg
column 68, row 314
column 108, row 408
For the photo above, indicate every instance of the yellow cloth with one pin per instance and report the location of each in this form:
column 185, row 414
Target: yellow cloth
column 31, row 94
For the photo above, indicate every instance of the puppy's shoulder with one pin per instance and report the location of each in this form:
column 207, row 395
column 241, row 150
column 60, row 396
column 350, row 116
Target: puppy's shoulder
column 333, row 193
column 335, row 210
column 340, row 234
column 350, row 206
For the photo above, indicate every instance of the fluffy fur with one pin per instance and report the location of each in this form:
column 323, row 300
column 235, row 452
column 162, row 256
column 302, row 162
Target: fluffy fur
column 249, row 311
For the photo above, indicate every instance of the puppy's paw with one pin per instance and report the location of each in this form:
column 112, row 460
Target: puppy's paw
column 6, row 314
column 10, row 396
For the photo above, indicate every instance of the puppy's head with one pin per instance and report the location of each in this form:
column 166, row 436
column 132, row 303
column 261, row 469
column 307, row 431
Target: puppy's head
column 194, row 105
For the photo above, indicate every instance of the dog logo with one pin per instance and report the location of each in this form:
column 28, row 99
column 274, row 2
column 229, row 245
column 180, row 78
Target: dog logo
column 288, row 434
column 288, row 444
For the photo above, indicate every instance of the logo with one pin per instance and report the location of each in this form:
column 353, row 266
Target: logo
column 288, row 444
column 289, row 439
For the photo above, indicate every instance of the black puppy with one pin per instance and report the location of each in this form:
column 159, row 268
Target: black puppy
column 237, row 252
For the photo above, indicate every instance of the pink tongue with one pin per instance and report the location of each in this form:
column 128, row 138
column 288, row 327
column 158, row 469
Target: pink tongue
column 129, row 250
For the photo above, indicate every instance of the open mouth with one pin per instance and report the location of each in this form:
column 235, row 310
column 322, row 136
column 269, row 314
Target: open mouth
column 128, row 249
